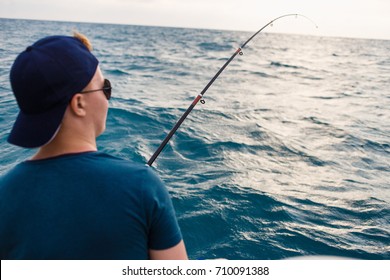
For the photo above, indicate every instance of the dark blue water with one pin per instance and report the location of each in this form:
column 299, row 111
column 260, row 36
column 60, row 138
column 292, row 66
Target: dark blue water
column 290, row 155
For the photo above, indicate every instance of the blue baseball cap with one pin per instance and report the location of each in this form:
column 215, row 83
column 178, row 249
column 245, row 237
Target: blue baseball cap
column 44, row 79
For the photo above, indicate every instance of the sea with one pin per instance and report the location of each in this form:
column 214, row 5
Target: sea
column 289, row 155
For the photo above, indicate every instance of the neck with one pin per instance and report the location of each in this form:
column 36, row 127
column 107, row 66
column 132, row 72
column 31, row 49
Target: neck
column 62, row 144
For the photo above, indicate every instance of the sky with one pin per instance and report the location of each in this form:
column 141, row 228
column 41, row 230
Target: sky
column 340, row 18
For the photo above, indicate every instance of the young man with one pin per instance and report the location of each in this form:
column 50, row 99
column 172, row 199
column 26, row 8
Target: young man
column 70, row 201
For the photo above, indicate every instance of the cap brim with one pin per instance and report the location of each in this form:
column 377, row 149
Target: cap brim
column 36, row 130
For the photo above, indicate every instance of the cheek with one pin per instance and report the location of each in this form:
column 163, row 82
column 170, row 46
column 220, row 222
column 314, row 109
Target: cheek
column 98, row 114
column 103, row 111
column 101, row 107
column 106, row 109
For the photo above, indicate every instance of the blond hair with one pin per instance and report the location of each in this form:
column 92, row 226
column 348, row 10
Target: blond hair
column 83, row 39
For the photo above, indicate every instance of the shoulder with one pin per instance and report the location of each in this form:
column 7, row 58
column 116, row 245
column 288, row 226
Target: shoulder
column 12, row 174
column 131, row 173
column 140, row 179
column 117, row 165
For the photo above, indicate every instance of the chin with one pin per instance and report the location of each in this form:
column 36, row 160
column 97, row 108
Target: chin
column 101, row 131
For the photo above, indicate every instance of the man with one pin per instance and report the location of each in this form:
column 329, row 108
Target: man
column 70, row 201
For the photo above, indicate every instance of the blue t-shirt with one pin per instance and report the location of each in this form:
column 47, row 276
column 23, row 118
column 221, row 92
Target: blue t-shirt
column 84, row 206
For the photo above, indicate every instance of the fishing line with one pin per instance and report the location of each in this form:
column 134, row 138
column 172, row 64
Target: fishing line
column 200, row 95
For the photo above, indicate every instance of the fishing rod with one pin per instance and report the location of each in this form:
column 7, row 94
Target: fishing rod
column 200, row 95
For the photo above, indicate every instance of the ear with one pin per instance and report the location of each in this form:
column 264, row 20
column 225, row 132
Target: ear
column 77, row 105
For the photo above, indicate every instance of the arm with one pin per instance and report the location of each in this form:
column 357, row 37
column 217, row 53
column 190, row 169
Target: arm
column 177, row 252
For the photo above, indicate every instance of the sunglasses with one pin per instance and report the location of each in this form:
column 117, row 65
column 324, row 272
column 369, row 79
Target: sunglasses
column 106, row 89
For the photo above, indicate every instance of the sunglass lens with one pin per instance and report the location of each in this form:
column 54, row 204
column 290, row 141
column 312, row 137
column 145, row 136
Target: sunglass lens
column 107, row 89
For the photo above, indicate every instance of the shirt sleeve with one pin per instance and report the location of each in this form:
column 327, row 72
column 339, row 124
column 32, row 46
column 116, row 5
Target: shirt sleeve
column 163, row 228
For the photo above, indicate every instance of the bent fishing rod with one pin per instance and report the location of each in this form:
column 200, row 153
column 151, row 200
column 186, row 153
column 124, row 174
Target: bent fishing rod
column 200, row 95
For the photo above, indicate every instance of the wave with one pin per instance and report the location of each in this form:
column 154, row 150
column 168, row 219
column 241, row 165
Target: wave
column 212, row 46
column 283, row 65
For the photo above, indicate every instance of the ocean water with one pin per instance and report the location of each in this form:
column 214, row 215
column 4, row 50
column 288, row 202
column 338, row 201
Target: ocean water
column 289, row 156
